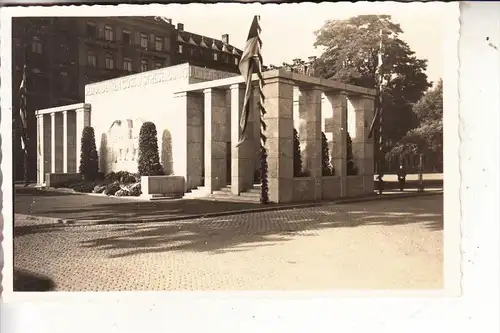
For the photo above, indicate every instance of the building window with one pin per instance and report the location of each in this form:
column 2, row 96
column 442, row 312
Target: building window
column 127, row 64
column 110, row 62
column 216, row 56
column 108, row 33
column 236, row 61
column 64, row 81
column 180, row 48
column 91, row 30
column 91, row 59
column 158, row 65
column 36, row 45
column 167, row 44
column 144, row 65
column 226, row 58
column 127, row 37
column 144, row 41
column 159, row 44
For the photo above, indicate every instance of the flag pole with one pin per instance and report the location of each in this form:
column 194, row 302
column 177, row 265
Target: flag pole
column 381, row 156
column 24, row 106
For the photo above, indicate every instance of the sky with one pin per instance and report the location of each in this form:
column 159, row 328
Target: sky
column 288, row 29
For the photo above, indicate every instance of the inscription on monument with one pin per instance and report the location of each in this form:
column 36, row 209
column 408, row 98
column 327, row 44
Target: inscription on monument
column 155, row 77
column 135, row 81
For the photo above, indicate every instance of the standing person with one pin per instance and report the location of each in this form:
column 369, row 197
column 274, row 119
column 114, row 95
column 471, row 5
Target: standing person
column 401, row 177
column 380, row 183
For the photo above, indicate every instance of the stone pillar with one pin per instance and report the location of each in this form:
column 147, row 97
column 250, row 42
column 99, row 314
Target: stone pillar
column 41, row 150
column 82, row 120
column 279, row 133
column 47, row 145
column 57, row 158
column 215, row 139
column 310, row 135
column 362, row 146
column 65, row 141
column 194, row 135
column 70, row 145
column 256, row 113
column 335, row 111
column 242, row 157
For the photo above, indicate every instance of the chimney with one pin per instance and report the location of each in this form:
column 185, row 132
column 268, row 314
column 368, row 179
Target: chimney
column 180, row 26
column 225, row 39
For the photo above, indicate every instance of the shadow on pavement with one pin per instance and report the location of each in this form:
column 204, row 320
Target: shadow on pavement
column 28, row 281
column 223, row 234
column 24, row 230
column 112, row 209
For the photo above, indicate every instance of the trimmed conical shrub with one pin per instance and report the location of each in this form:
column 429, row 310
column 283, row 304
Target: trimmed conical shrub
column 352, row 169
column 149, row 158
column 89, row 160
column 297, row 158
column 326, row 165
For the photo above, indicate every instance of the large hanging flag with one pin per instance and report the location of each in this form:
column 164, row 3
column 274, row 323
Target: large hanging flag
column 380, row 81
column 251, row 63
column 23, row 112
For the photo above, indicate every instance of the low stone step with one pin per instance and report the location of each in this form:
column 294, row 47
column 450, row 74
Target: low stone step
column 232, row 198
column 250, row 194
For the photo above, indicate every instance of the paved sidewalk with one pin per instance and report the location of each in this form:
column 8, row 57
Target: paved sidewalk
column 57, row 207
column 385, row 244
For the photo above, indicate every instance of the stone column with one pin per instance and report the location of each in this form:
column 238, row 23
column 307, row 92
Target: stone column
column 57, row 158
column 279, row 133
column 41, row 150
column 194, row 135
column 47, row 145
column 215, row 139
column 65, row 141
column 362, row 146
column 256, row 114
column 70, row 145
column 310, row 135
column 242, row 157
column 335, row 111
column 82, row 120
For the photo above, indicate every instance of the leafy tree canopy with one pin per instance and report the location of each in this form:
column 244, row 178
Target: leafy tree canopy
column 350, row 55
column 427, row 137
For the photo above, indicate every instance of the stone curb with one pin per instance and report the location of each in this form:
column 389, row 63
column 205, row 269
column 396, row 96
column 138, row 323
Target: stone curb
column 74, row 222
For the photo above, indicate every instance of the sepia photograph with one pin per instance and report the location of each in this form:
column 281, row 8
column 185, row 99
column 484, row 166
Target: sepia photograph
column 261, row 147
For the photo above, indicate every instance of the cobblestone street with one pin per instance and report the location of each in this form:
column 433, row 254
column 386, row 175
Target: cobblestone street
column 379, row 244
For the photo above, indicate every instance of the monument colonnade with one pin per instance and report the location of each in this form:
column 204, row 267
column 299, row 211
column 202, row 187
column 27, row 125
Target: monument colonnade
column 59, row 133
column 322, row 107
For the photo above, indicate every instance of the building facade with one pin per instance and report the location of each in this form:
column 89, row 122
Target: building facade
column 63, row 54
column 205, row 52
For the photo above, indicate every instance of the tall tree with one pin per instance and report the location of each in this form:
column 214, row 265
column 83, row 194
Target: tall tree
column 427, row 137
column 351, row 55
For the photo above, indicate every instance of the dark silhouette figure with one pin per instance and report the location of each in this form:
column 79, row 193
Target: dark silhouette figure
column 380, row 183
column 29, row 281
column 401, row 178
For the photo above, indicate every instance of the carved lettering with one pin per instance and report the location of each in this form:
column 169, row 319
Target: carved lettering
column 157, row 77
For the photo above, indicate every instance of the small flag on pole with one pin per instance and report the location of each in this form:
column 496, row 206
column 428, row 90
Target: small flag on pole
column 250, row 63
column 379, row 78
column 23, row 112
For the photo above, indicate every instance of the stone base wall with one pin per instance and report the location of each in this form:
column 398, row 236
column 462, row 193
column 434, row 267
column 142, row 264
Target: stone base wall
column 355, row 186
column 331, row 188
column 168, row 186
column 55, row 179
column 303, row 189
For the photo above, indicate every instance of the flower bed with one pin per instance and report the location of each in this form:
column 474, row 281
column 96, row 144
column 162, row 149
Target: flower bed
column 119, row 184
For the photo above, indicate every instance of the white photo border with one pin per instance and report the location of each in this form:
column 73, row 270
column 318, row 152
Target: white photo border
column 471, row 105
